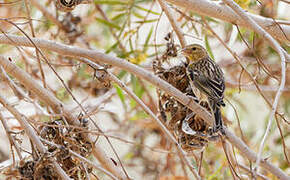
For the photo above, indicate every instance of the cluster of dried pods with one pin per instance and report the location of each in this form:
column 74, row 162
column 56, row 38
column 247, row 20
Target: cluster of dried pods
column 67, row 139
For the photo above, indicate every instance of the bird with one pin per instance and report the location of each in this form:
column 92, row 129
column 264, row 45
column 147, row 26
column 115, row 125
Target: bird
column 206, row 75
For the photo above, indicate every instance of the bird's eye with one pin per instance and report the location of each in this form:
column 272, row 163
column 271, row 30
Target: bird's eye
column 194, row 48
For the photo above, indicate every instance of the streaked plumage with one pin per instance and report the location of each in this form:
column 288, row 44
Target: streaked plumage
column 206, row 75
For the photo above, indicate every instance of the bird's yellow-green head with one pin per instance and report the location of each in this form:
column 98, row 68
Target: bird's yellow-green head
column 194, row 52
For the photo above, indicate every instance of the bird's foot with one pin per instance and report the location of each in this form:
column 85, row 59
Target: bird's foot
column 216, row 129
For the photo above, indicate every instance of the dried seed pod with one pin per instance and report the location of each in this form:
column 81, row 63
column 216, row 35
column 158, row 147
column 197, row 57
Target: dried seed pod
column 191, row 142
column 27, row 169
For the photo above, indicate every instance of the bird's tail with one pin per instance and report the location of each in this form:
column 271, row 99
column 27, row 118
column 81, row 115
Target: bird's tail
column 218, row 123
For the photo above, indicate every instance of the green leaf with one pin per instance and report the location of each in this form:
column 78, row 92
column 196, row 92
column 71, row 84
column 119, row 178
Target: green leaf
column 208, row 48
column 103, row 21
column 120, row 93
column 62, row 94
column 48, row 24
column 216, row 174
column 112, row 47
column 136, row 14
column 184, row 24
column 131, row 45
column 44, row 119
column 133, row 103
column 83, row 73
column 139, row 115
column 20, row 64
column 252, row 36
column 122, row 74
column 146, row 21
column 146, row 10
column 118, row 16
column 4, row 48
column 129, row 156
column 137, row 88
column 211, row 19
column 147, row 39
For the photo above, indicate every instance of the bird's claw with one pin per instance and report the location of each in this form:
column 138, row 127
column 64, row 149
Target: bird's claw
column 216, row 129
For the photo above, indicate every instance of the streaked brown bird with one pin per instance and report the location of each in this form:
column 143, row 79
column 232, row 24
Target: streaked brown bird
column 208, row 78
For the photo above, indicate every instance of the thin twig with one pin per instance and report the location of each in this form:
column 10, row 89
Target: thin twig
column 97, row 56
column 219, row 10
column 46, row 13
column 275, row 45
column 81, row 158
column 82, row 130
column 33, row 35
column 117, row 38
column 69, row 91
column 249, row 171
column 277, row 172
column 173, row 23
column 47, row 97
column 11, row 139
column 71, row 94
column 32, row 134
column 149, row 112
column 250, row 154
column 230, row 159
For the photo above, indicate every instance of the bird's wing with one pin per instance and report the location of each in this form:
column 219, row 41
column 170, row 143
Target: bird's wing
column 208, row 77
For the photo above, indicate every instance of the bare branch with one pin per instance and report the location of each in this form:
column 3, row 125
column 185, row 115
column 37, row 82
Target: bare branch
column 97, row 56
column 249, row 171
column 32, row 134
column 81, row 158
column 247, row 152
column 33, row 35
column 173, row 23
column 46, row 13
column 47, row 97
column 274, row 44
column 11, row 139
column 219, row 10
column 149, row 112
column 110, row 28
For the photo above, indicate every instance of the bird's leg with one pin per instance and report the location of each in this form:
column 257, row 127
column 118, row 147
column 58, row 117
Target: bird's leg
column 222, row 130
column 218, row 126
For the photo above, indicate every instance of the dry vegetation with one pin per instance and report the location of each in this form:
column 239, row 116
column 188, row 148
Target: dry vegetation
column 97, row 90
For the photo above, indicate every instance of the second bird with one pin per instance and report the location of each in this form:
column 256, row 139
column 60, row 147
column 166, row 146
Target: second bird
column 207, row 77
